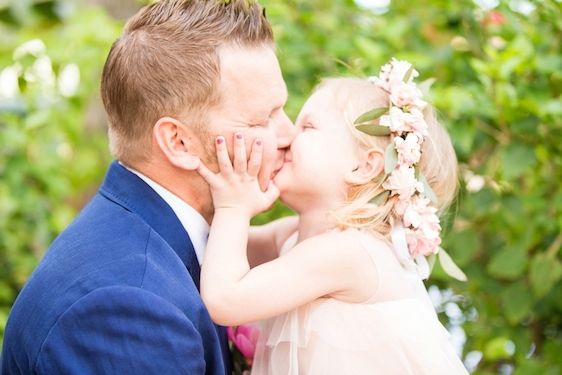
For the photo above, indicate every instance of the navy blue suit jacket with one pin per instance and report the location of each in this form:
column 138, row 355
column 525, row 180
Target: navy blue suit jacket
column 116, row 293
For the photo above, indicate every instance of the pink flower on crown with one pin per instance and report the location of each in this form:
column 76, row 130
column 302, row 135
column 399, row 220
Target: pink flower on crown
column 409, row 129
column 419, row 243
column 406, row 94
column 414, row 121
column 409, row 149
column 245, row 338
column 402, row 181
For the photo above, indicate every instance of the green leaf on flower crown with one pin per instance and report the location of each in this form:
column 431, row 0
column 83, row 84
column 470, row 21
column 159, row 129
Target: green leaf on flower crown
column 379, row 179
column 381, row 198
column 390, row 158
column 373, row 114
column 376, row 130
column 449, row 266
column 408, row 74
column 426, row 85
column 427, row 190
column 431, row 261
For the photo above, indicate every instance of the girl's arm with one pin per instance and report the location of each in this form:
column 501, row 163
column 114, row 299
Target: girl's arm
column 265, row 241
column 234, row 293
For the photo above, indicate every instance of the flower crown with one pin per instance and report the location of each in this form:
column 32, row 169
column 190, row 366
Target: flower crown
column 404, row 121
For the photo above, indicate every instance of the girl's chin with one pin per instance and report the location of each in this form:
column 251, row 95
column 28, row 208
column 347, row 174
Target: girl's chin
column 280, row 179
column 283, row 183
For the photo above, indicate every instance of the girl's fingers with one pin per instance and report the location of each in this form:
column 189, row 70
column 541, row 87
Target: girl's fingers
column 254, row 164
column 240, row 161
column 222, row 155
column 272, row 193
column 205, row 172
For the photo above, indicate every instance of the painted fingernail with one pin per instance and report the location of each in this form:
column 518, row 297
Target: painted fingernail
column 238, row 135
column 220, row 140
column 258, row 142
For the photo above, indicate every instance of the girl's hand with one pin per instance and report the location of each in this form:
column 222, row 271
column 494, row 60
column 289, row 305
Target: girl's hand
column 236, row 184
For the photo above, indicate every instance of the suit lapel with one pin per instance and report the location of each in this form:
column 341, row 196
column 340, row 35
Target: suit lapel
column 129, row 191
column 132, row 193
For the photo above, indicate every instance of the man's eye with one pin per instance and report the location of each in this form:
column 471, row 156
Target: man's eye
column 262, row 123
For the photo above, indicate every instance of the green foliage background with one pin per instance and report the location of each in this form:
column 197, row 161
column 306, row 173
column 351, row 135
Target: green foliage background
column 498, row 90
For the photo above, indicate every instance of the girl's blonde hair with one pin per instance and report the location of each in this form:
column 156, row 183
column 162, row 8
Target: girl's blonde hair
column 352, row 97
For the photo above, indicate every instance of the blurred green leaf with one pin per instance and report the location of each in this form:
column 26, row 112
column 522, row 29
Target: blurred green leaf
column 499, row 348
column 517, row 158
column 545, row 272
column 390, row 158
column 508, row 263
column 449, row 266
column 517, row 302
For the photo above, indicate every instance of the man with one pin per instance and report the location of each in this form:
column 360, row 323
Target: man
column 117, row 292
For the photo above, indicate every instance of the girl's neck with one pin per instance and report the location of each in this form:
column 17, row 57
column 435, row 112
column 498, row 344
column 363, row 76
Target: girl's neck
column 313, row 222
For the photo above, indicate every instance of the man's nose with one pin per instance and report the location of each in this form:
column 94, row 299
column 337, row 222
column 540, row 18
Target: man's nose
column 285, row 130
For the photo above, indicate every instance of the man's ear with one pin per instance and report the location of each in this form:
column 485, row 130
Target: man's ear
column 175, row 140
column 371, row 164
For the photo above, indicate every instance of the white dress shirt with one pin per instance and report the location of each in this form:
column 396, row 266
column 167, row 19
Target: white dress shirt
column 195, row 225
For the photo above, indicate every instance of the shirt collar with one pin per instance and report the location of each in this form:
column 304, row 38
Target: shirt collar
column 195, row 225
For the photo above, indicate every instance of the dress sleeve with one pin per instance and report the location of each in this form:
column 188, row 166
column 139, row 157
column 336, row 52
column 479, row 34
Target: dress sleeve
column 122, row 330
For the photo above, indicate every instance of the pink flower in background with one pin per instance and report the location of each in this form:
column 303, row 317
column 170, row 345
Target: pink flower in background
column 245, row 338
column 495, row 18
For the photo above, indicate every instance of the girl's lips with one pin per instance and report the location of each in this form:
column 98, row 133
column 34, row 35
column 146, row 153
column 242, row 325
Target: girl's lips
column 275, row 172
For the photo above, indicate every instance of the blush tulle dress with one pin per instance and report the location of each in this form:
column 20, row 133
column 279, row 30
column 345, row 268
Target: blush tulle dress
column 395, row 332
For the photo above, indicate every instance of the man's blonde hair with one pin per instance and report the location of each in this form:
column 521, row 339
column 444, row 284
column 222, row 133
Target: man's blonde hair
column 166, row 64
column 353, row 97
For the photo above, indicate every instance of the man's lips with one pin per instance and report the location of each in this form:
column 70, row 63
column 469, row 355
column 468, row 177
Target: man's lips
column 274, row 173
column 278, row 169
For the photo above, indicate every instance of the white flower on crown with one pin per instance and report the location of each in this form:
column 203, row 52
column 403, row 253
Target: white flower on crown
column 403, row 182
column 400, row 122
column 419, row 213
column 408, row 149
column 395, row 120
column 393, row 73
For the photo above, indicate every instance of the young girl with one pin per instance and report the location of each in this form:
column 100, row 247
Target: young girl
column 345, row 295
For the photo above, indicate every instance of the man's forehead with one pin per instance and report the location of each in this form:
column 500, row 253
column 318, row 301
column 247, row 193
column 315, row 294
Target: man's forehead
column 239, row 59
column 251, row 80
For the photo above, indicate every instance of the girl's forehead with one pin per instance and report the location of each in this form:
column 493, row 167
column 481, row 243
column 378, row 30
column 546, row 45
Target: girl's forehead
column 321, row 100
